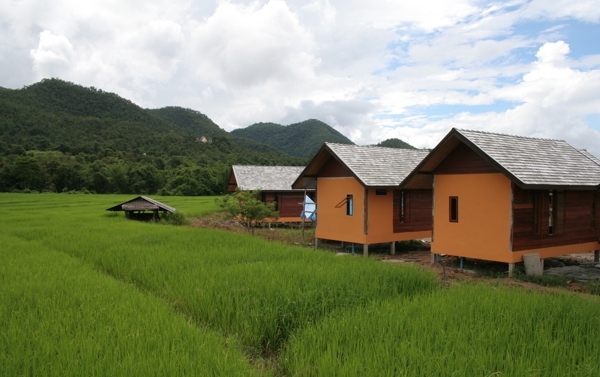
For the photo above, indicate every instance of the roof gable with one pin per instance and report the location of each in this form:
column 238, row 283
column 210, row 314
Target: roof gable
column 464, row 160
column 371, row 166
column 528, row 162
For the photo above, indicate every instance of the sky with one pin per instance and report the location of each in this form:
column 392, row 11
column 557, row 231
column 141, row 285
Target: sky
column 373, row 70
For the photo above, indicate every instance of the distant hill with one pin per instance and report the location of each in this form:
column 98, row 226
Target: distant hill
column 395, row 143
column 191, row 121
column 59, row 136
column 299, row 139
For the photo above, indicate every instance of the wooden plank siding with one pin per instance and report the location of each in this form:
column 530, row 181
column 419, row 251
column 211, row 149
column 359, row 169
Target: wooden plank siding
column 463, row 160
column 333, row 168
column 574, row 222
column 288, row 204
column 417, row 210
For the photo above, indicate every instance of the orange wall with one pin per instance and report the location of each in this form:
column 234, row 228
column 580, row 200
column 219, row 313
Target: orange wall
column 332, row 222
column 381, row 221
column 484, row 216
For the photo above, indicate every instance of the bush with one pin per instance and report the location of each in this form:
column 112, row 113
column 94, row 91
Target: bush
column 174, row 218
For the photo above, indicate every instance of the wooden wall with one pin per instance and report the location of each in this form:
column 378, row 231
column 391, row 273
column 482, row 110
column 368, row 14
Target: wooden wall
column 333, row 168
column 417, row 212
column 288, row 204
column 463, row 160
column 576, row 220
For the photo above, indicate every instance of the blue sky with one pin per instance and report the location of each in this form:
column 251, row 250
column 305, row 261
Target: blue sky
column 411, row 69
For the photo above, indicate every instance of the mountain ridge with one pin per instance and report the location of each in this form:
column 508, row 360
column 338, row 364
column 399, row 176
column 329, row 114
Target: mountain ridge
column 59, row 136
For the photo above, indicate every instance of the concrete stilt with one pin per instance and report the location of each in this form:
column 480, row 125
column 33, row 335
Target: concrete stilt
column 511, row 267
column 433, row 258
column 365, row 250
column 393, row 248
column 596, row 256
column 316, row 242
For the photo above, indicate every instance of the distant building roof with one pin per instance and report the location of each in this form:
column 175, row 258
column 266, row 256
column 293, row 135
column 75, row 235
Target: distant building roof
column 141, row 203
column 529, row 162
column 264, row 178
column 372, row 166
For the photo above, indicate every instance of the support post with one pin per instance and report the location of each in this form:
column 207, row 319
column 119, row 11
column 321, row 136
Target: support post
column 596, row 256
column 511, row 267
column 393, row 248
column 365, row 250
column 433, row 258
column 316, row 242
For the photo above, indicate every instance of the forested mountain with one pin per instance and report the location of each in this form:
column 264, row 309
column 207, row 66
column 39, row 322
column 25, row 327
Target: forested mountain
column 59, row 136
column 300, row 139
column 395, row 143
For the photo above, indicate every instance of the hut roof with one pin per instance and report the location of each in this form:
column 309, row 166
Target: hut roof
column 142, row 203
column 264, row 178
column 527, row 161
column 372, row 166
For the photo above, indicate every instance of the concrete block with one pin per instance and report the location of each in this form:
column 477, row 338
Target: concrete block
column 533, row 264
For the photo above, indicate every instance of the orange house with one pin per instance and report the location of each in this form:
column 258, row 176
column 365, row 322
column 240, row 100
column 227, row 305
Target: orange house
column 275, row 185
column 498, row 197
column 358, row 200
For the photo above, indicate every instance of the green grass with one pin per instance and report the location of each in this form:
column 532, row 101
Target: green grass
column 85, row 292
column 468, row 330
column 59, row 317
column 248, row 289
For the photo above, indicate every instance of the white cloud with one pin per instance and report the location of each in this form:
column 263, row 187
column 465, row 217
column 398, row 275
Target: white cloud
column 410, row 69
column 53, row 55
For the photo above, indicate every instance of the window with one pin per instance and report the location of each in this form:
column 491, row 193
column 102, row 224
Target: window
column 537, row 212
column 557, row 212
column 349, row 205
column 548, row 205
column 550, row 212
column 380, row 192
column 404, row 218
column 454, row 209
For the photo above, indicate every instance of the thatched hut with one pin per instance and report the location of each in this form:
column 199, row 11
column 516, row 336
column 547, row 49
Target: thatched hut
column 142, row 208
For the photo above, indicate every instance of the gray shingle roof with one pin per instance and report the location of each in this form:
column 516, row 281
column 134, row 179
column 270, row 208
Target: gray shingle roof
column 266, row 178
column 142, row 203
column 378, row 166
column 538, row 162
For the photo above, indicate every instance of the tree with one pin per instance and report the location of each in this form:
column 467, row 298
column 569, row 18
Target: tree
column 247, row 208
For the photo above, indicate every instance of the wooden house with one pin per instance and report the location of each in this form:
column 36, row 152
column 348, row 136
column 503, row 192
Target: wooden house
column 275, row 184
column 142, row 208
column 499, row 197
column 358, row 200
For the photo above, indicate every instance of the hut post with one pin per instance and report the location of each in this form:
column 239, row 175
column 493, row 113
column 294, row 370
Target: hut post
column 511, row 267
column 304, row 212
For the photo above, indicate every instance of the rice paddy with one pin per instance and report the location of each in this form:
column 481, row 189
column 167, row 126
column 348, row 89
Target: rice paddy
column 84, row 292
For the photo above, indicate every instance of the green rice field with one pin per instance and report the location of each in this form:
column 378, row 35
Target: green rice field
column 86, row 292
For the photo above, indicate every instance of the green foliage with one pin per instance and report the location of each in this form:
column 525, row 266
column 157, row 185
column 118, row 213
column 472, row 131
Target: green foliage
column 174, row 218
column 58, row 136
column 245, row 206
column 300, row 139
column 395, row 143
